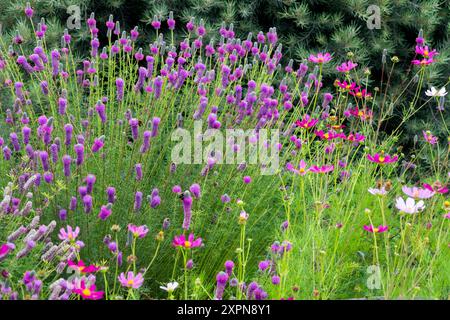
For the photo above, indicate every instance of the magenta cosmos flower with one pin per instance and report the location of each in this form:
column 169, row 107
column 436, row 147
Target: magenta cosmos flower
column 346, row 66
column 379, row 229
column 5, row 249
column 138, row 231
column 322, row 169
column 427, row 55
column 307, row 122
column 382, row 158
column 301, row 168
column 81, row 267
column 88, row 293
column 437, row 187
column 190, row 242
column 131, row 280
column 320, row 58
column 417, row 193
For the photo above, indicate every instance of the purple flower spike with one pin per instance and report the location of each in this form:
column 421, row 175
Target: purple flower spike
column 146, row 142
column 79, row 150
column 137, row 201
column 229, row 265
column 44, row 160
column 195, row 189
column 63, row 214
column 105, row 212
column 222, row 279
column 155, row 199
column 66, row 160
column 48, row 177
column 138, row 169
column 90, row 180
column 171, row 21
column 14, row 141
column 119, row 86
column 68, row 129
column 98, row 144
column 187, row 207
column 134, row 125
column 73, row 203
column 111, row 193
column 29, row 11
column 87, row 203
column 100, row 108
column 155, row 124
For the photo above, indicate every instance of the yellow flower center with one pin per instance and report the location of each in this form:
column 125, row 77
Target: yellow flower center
column 426, row 53
column 375, row 230
column 187, row 244
column 359, row 94
column 130, row 282
column 87, row 292
column 326, row 135
column 320, row 60
column 302, row 170
column 381, row 159
column 360, row 113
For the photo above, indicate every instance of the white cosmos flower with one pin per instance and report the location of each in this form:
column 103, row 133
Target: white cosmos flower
column 377, row 192
column 409, row 206
column 433, row 92
column 171, row 286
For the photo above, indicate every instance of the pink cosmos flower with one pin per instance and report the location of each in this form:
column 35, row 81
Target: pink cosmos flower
column 301, row 168
column 322, row 169
column 88, row 293
column 382, row 158
column 379, row 229
column 428, row 136
column 447, row 215
column 181, row 241
column 81, row 267
column 320, row 58
column 346, row 66
column 70, row 234
column 131, row 280
column 417, row 193
column 138, row 231
column 409, row 206
column 307, row 122
column 437, row 187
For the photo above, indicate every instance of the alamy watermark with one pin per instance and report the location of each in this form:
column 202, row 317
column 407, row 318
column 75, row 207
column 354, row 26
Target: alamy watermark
column 374, row 19
column 229, row 146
